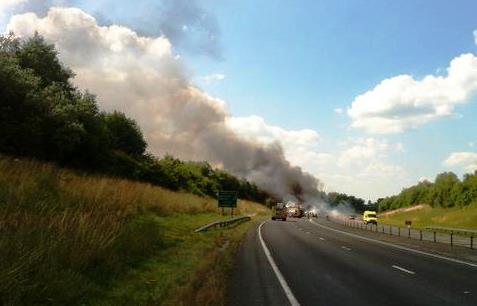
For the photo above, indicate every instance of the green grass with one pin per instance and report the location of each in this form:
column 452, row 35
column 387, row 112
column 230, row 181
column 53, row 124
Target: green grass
column 465, row 217
column 190, row 269
column 75, row 239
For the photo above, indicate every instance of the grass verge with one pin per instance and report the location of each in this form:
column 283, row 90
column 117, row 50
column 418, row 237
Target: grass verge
column 456, row 217
column 191, row 270
column 72, row 239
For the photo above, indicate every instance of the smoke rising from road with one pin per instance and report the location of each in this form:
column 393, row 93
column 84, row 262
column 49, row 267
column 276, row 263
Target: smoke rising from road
column 141, row 76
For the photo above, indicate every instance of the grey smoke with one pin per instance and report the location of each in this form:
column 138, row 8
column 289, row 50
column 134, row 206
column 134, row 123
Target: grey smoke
column 141, row 77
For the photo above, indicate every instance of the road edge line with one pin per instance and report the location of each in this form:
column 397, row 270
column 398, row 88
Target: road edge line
column 400, row 247
column 291, row 298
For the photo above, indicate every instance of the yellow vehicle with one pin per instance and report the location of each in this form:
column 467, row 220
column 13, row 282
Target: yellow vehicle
column 369, row 216
column 279, row 211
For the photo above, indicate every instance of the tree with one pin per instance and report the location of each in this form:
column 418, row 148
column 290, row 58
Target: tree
column 124, row 134
column 441, row 190
column 42, row 58
column 21, row 107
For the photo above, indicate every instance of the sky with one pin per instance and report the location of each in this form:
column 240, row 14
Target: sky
column 368, row 96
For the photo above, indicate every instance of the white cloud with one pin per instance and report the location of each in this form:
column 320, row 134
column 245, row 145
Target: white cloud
column 295, row 143
column 465, row 160
column 213, row 78
column 338, row 110
column 402, row 102
column 471, row 144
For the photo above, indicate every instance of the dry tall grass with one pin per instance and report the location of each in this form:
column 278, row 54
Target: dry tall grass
column 62, row 232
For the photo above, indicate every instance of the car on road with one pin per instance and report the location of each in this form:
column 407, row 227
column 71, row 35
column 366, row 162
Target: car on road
column 369, row 216
column 352, row 217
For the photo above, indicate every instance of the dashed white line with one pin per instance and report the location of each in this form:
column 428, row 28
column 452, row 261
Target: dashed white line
column 402, row 269
column 400, row 247
column 321, row 238
column 291, row 298
column 345, row 248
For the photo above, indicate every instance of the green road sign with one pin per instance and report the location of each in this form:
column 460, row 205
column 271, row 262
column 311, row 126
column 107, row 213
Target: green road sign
column 227, row 198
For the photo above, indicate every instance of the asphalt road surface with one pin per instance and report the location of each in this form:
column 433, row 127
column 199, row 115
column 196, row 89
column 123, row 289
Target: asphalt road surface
column 299, row 262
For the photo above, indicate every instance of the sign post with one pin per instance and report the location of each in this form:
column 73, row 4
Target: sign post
column 227, row 199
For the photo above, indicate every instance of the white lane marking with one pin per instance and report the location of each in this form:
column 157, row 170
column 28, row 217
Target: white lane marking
column 291, row 298
column 321, row 238
column 308, row 232
column 402, row 269
column 398, row 246
column 345, row 248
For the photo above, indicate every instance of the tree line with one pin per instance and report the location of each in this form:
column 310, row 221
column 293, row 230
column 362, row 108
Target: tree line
column 357, row 204
column 446, row 191
column 44, row 116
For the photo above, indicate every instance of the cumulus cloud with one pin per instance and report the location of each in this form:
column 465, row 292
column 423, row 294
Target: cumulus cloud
column 464, row 160
column 255, row 127
column 402, row 102
column 142, row 77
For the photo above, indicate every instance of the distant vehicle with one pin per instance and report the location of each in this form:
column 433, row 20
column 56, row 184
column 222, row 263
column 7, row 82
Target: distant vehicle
column 352, row 217
column 279, row 211
column 369, row 216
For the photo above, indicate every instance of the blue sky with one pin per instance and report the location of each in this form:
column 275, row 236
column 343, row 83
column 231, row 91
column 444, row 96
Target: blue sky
column 294, row 62
column 287, row 68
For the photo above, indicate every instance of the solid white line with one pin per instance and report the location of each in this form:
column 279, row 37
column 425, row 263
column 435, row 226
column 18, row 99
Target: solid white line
column 402, row 269
column 291, row 298
column 398, row 246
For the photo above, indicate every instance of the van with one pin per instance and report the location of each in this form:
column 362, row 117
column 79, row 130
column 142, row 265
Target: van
column 370, row 217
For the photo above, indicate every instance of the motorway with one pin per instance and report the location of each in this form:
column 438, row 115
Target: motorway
column 314, row 263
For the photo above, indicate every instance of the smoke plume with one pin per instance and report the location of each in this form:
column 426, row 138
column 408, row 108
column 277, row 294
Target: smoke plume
column 142, row 77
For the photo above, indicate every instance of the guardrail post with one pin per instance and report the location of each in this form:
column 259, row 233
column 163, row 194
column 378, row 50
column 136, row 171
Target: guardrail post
column 391, row 230
column 409, row 233
column 399, row 231
column 435, row 237
column 471, row 242
column 382, row 227
column 451, row 240
column 420, row 234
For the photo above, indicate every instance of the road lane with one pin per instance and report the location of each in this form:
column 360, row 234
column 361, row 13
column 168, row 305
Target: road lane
column 253, row 281
column 328, row 268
